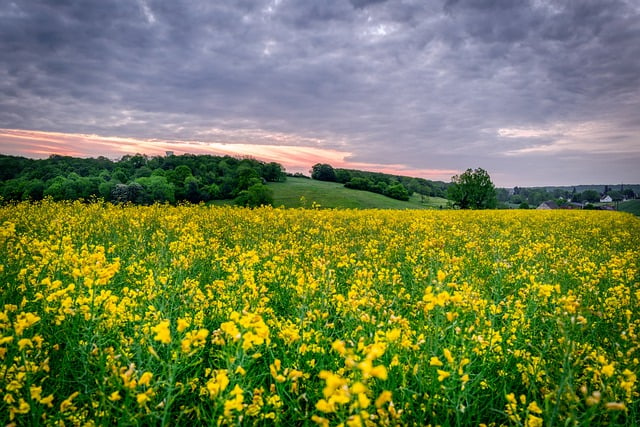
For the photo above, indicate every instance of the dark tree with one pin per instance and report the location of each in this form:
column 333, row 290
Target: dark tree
column 397, row 191
column 323, row 172
column 629, row 193
column 591, row 196
column 473, row 189
column 358, row 183
column 254, row 196
column 273, row 172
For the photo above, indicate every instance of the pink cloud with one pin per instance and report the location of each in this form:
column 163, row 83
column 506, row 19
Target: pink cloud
column 39, row 144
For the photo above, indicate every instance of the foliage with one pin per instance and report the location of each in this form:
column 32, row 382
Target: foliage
column 194, row 315
column 394, row 186
column 534, row 196
column 378, row 182
column 323, row 172
column 590, row 196
column 397, row 191
column 136, row 179
column 255, row 196
column 473, row 189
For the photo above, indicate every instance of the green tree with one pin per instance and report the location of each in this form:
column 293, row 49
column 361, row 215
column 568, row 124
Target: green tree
column 192, row 190
column 616, row 195
column 323, row 172
column 629, row 193
column 591, row 196
column 343, row 176
column 106, row 189
column 246, row 178
column 33, row 190
column 254, row 196
column 155, row 189
column 473, row 189
column 397, row 191
column 359, row 183
column 273, row 172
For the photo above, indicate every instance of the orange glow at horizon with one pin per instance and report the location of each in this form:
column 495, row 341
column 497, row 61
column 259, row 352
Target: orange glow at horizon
column 294, row 158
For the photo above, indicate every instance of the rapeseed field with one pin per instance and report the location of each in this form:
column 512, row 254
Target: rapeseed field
column 194, row 315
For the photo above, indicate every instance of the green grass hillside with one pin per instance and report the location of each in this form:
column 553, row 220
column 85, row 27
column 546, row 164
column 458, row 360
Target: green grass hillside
column 334, row 195
column 631, row 206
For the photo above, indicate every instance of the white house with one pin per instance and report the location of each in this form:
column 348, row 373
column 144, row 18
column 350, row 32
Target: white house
column 606, row 199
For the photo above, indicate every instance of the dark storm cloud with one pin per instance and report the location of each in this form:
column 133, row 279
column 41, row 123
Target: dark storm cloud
column 424, row 84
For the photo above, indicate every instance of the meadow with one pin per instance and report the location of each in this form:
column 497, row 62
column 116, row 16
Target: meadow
column 301, row 193
column 194, row 315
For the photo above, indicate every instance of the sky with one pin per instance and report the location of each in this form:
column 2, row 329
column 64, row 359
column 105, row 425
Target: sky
column 535, row 92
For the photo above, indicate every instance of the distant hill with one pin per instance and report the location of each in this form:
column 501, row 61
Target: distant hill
column 631, row 206
column 301, row 192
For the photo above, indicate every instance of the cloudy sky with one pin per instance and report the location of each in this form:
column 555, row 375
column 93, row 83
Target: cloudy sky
column 537, row 92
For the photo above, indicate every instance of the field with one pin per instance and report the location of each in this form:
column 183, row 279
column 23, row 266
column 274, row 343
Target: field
column 301, row 192
column 196, row 315
column 631, row 206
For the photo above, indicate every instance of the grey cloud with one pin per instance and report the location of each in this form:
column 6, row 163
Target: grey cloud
column 424, row 84
column 365, row 3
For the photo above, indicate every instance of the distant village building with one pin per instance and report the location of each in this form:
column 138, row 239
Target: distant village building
column 548, row 205
column 606, row 199
column 169, row 153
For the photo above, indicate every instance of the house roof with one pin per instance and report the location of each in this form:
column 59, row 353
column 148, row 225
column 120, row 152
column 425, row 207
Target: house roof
column 549, row 204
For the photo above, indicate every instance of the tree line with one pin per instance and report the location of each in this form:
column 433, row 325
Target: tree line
column 395, row 186
column 140, row 179
column 534, row 196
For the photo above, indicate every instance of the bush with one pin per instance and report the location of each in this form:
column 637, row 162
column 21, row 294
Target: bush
column 397, row 191
column 254, row 196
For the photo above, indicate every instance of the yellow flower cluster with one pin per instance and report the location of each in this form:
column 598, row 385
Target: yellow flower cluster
column 180, row 315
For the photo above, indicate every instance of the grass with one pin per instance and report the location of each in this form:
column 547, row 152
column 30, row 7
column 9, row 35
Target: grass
column 631, row 206
column 301, row 192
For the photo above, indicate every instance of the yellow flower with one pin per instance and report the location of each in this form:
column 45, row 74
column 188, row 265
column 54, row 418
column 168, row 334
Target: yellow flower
column 533, row 421
column 608, row 370
column 217, row 383
column 447, row 355
column 363, row 401
column 145, row 378
column 274, row 369
column 383, row 398
column 435, row 361
column 339, row 346
column 115, row 396
column 393, row 334
column 442, row 375
column 324, row 406
column 323, row 422
column 533, row 407
column 162, row 331
column 379, row 372
column 24, row 321
column 236, row 402
column 68, row 402
column 182, row 324
column 354, row 421
column 23, row 408
column 142, row 398
column 47, row 401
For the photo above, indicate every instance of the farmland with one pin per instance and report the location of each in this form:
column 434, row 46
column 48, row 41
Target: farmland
column 183, row 315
